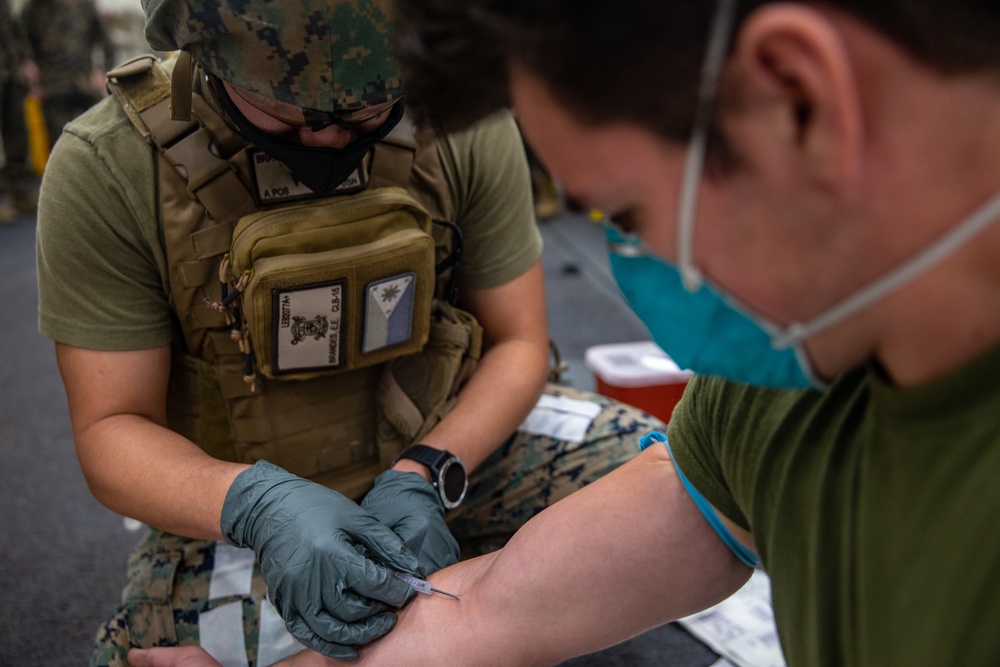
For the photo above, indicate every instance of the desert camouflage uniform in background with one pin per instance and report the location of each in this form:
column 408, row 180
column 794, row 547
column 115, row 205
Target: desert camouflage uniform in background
column 65, row 36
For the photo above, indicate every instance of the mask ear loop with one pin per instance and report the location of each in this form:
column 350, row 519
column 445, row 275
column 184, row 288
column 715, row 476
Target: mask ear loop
column 694, row 163
column 793, row 334
column 970, row 226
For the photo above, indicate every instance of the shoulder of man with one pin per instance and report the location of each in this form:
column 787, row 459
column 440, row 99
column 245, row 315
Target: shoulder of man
column 499, row 127
column 103, row 122
column 103, row 140
column 487, row 146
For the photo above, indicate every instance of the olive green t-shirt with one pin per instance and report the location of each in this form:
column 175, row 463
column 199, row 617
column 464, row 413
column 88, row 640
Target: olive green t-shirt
column 875, row 509
column 102, row 272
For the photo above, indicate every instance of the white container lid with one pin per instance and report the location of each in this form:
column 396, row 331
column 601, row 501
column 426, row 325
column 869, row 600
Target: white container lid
column 641, row 364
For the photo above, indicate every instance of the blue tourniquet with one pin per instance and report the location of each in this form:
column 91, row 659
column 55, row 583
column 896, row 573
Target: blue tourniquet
column 745, row 555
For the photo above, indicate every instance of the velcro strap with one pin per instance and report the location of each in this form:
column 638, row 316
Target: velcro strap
column 165, row 130
column 226, row 198
column 139, row 65
column 180, row 88
column 212, row 241
column 136, row 84
column 397, row 407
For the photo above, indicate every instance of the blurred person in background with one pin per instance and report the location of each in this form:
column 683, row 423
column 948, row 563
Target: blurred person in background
column 18, row 73
column 72, row 51
column 123, row 21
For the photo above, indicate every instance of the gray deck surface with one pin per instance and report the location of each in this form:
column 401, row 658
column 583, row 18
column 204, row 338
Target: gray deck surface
column 62, row 555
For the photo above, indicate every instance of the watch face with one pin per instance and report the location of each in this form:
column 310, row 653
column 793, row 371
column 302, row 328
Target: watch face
column 453, row 482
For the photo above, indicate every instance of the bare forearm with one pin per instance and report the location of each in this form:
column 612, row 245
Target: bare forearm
column 511, row 374
column 494, row 402
column 133, row 463
column 142, row 470
column 625, row 554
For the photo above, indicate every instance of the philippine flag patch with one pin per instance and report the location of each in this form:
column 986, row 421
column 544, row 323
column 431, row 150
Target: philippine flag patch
column 389, row 311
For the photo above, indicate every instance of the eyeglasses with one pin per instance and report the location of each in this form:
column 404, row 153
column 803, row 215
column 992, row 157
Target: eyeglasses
column 314, row 119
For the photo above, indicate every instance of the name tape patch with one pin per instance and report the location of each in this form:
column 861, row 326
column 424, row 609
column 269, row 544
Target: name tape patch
column 308, row 327
column 274, row 183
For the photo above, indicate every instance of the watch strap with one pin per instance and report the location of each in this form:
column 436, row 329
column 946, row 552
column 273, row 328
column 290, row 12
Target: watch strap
column 442, row 465
column 431, row 457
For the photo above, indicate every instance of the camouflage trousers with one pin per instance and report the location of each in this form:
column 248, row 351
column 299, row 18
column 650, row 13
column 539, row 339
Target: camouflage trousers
column 197, row 592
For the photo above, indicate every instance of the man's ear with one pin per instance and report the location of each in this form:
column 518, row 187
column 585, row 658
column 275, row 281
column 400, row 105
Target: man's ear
column 794, row 58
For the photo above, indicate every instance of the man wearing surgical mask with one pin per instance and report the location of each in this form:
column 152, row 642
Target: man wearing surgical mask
column 812, row 188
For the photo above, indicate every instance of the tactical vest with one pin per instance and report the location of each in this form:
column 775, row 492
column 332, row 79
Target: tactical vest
column 339, row 429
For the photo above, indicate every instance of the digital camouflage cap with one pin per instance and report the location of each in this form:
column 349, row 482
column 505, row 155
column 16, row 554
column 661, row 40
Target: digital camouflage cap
column 329, row 55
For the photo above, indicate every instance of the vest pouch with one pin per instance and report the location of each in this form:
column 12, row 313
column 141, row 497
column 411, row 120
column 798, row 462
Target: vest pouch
column 336, row 285
column 416, row 391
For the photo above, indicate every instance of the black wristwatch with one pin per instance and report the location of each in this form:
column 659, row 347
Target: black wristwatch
column 448, row 474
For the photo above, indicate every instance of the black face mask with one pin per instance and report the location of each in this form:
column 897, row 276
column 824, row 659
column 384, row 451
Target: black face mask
column 319, row 169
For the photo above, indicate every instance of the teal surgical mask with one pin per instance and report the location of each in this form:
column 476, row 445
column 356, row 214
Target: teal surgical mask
column 702, row 330
column 709, row 331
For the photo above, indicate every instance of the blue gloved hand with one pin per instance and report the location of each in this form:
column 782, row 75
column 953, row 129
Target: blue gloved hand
column 409, row 505
column 316, row 550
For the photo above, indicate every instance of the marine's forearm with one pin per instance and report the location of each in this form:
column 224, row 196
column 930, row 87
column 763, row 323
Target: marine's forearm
column 134, row 465
column 493, row 403
column 510, row 375
column 149, row 473
column 625, row 554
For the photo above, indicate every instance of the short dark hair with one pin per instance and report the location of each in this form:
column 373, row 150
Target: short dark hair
column 608, row 60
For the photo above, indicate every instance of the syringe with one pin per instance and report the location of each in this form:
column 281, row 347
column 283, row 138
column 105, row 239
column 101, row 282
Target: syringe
column 420, row 585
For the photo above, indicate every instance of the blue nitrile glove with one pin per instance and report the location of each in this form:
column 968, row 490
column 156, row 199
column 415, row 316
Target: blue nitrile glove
column 409, row 505
column 312, row 544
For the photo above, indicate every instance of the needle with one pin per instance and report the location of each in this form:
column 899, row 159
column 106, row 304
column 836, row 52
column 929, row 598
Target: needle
column 420, row 585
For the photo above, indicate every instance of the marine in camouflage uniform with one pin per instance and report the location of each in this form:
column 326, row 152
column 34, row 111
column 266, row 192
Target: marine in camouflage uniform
column 183, row 591
column 64, row 35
